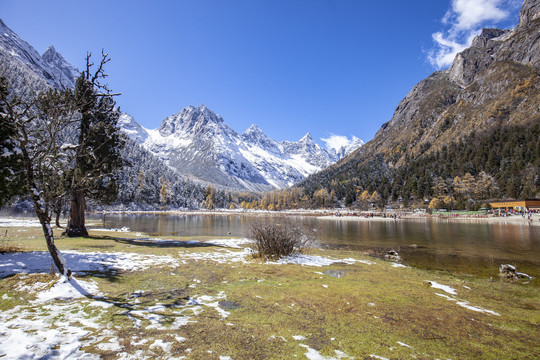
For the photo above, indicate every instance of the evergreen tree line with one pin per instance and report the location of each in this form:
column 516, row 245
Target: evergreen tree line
column 146, row 183
column 501, row 163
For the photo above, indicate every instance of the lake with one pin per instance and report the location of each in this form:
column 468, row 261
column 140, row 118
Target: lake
column 461, row 247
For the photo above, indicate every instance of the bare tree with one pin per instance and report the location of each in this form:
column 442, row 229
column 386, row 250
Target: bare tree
column 38, row 158
column 59, row 144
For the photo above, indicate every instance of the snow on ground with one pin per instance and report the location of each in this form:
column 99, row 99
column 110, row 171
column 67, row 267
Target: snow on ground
column 9, row 222
column 65, row 289
column 221, row 256
column 66, row 315
column 47, row 331
column 313, row 354
column 79, row 262
column 403, row 344
column 313, row 260
column 232, row 243
column 124, row 229
column 446, row 288
column 466, row 305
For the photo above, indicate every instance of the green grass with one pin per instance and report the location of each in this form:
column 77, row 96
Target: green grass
column 367, row 312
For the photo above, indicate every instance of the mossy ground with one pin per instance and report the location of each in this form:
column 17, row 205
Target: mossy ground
column 284, row 311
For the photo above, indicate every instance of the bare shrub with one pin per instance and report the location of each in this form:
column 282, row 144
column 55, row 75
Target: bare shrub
column 277, row 237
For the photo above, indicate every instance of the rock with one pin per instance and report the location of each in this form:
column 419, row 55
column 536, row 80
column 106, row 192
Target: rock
column 392, row 255
column 507, row 271
column 530, row 11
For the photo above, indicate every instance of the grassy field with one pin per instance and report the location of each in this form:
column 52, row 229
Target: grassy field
column 205, row 299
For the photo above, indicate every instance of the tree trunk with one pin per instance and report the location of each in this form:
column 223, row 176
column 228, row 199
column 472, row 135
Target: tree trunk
column 57, row 257
column 58, row 212
column 77, row 209
column 58, row 220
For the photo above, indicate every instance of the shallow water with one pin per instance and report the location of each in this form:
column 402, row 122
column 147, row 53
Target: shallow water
column 462, row 247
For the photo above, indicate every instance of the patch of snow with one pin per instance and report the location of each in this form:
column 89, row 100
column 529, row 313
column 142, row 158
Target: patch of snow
column 445, row 288
column 313, row 354
column 221, row 256
column 466, row 305
column 79, row 262
column 124, row 229
column 403, row 344
column 111, row 345
column 65, row 289
column 232, row 243
column 212, row 302
column 160, row 344
column 298, row 337
column 314, row 260
column 9, row 222
column 46, row 331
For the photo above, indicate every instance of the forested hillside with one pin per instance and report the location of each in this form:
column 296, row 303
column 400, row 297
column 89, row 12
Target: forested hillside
column 461, row 136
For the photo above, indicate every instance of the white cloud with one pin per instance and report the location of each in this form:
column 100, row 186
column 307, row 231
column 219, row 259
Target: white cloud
column 472, row 13
column 447, row 48
column 464, row 21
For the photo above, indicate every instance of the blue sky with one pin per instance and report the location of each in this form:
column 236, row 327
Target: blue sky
column 289, row 66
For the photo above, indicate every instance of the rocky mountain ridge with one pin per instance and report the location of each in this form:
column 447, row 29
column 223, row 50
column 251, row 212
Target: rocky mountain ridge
column 29, row 69
column 197, row 142
column 453, row 102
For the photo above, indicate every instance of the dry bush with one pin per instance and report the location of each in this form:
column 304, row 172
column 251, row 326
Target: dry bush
column 277, row 237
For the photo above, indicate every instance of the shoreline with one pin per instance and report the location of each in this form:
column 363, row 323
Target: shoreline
column 327, row 214
column 510, row 220
column 330, row 215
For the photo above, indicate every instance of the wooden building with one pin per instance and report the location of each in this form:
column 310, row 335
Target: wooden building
column 516, row 204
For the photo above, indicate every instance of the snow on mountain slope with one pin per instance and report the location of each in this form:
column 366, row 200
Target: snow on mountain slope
column 132, row 128
column 65, row 73
column 197, row 142
column 341, row 146
column 20, row 58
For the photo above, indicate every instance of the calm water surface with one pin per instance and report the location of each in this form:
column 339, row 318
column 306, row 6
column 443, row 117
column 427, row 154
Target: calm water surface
column 463, row 247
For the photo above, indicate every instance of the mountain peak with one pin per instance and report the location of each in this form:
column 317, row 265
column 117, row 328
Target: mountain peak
column 307, row 138
column 50, row 49
column 193, row 119
column 253, row 129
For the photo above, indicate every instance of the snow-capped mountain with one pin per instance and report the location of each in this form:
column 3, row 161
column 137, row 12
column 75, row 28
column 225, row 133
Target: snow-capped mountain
column 26, row 68
column 342, row 146
column 197, row 142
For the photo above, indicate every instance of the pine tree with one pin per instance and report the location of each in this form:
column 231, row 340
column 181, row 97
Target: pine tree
column 98, row 145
